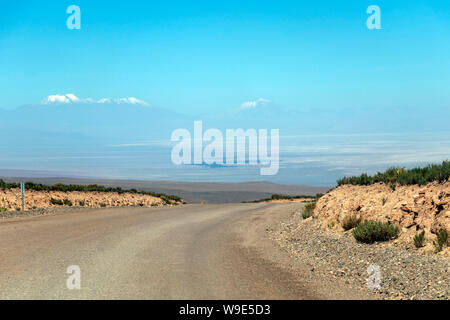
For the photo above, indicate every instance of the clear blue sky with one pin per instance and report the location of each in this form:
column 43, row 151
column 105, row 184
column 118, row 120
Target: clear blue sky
column 315, row 57
column 199, row 56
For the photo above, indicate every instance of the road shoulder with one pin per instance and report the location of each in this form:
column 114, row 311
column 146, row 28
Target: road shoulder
column 259, row 236
column 345, row 266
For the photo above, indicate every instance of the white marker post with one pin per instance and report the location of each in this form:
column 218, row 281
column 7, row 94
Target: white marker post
column 22, row 190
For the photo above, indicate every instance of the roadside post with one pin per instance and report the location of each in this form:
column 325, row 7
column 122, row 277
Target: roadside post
column 22, row 190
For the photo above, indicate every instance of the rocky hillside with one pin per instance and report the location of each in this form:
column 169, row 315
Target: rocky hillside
column 414, row 208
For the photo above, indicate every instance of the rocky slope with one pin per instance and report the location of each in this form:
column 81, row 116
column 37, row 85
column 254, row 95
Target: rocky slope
column 413, row 208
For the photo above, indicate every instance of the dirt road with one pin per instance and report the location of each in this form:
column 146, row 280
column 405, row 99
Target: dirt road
column 186, row 252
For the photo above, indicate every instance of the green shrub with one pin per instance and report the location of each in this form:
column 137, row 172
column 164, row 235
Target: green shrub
column 81, row 203
column 384, row 200
column 276, row 196
column 371, row 231
column 3, row 209
column 441, row 240
column 285, row 197
column 402, row 176
column 103, row 205
column 419, row 239
column 308, row 211
column 67, row 202
column 350, row 222
column 34, row 208
column 306, row 214
column 57, row 202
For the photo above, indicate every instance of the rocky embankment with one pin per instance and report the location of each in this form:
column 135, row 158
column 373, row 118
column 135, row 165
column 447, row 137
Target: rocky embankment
column 10, row 199
column 413, row 208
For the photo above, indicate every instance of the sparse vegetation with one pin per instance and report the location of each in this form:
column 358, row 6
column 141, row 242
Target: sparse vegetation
column 169, row 199
column 441, row 240
column 350, row 222
column 402, row 176
column 285, row 197
column 86, row 188
column 56, row 202
column 419, row 239
column 59, row 202
column 308, row 211
column 371, row 231
column 3, row 209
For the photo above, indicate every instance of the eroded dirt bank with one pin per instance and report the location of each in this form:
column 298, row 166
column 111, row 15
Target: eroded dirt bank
column 10, row 199
column 413, row 208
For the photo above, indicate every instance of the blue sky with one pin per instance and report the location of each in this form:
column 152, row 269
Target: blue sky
column 199, row 56
column 345, row 98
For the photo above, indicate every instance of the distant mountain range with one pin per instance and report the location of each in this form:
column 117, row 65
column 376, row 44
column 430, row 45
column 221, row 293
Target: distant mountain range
column 121, row 121
column 128, row 138
column 105, row 121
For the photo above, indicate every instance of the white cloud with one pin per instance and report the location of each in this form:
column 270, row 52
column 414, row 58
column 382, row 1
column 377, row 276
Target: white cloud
column 254, row 104
column 71, row 98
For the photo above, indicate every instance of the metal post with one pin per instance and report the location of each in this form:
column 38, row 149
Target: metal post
column 22, row 190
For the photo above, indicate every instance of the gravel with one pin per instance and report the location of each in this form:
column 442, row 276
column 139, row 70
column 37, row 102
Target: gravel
column 403, row 273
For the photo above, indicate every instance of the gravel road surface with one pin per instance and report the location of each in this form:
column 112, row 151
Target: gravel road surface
column 184, row 252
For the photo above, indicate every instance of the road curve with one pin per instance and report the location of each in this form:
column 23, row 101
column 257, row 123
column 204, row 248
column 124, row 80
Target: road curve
column 185, row 252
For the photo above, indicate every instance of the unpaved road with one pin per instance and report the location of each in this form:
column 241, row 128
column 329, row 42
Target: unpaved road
column 185, row 252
